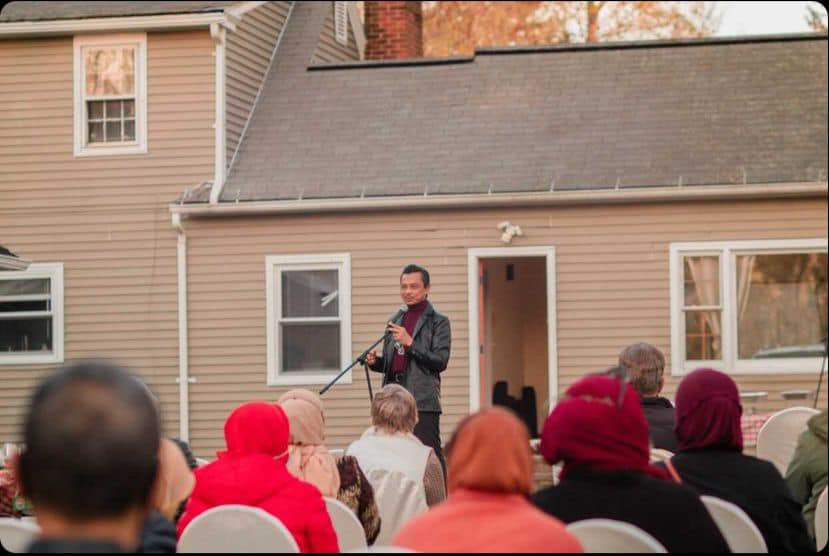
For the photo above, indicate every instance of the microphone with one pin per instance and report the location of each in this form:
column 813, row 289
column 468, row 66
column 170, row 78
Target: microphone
column 398, row 319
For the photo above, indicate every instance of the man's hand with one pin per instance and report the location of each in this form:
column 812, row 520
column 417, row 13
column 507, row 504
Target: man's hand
column 371, row 358
column 400, row 335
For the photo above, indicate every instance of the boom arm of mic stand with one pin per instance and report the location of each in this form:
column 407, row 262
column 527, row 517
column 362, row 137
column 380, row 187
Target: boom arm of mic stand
column 359, row 359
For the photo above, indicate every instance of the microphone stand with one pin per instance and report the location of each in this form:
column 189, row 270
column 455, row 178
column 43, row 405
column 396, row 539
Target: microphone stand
column 360, row 359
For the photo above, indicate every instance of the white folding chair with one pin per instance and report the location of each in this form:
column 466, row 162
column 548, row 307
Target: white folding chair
column 17, row 534
column 200, row 462
column 337, row 453
column 399, row 499
column 236, row 528
column 821, row 517
column 660, row 454
column 609, row 535
column 777, row 439
column 741, row 534
column 350, row 532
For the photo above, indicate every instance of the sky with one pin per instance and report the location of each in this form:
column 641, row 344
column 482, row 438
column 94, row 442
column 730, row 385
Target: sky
column 750, row 18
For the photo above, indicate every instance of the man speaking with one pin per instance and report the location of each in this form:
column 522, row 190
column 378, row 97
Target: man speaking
column 415, row 353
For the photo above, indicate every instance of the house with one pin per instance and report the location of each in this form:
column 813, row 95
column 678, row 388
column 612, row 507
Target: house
column 567, row 200
column 108, row 111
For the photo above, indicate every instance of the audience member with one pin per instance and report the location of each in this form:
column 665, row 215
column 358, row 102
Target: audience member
column 599, row 432
column 173, row 486
column 711, row 461
column 309, row 460
column 92, row 437
column 252, row 472
column 806, row 475
column 490, row 480
column 645, row 366
column 391, row 445
column 187, row 453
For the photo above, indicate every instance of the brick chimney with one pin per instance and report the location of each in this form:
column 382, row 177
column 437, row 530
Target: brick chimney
column 394, row 30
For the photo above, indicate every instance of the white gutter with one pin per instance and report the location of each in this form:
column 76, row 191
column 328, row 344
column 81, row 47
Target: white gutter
column 183, row 380
column 546, row 198
column 219, row 35
column 17, row 29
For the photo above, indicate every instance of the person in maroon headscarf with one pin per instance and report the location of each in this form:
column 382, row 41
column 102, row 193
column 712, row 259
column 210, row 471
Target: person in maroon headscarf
column 599, row 432
column 711, row 460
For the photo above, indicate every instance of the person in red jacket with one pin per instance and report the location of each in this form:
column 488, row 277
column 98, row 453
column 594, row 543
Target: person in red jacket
column 252, row 472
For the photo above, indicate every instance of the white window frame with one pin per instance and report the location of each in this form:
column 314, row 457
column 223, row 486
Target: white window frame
column 341, row 22
column 274, row 265
column 53, row 271
column 139, row 146
column 728, row 252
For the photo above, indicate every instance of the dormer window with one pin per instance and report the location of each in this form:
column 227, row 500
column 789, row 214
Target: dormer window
column 110, row 94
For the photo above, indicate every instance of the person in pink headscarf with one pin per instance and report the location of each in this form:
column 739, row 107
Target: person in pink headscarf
column 711, row 460
column 310, row 461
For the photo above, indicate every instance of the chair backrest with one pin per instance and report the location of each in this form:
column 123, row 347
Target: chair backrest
column 821, row 517
column 660, row 454
column 16, row 535
column 235, row 528
column 399, row 499
column 777, row 439
column 350, row 532
column 741, row 534
column 609, row 535
column 201, row 461
column 337, row 453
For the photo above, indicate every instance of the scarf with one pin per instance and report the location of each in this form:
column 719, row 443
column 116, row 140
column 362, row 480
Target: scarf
column 257, row 428
column 308, row 459
column 708, row 412
column 490, row 451
column 587, row 429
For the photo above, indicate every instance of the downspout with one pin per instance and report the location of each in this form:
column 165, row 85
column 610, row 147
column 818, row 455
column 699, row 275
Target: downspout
column 183, row 379
column 219, row 34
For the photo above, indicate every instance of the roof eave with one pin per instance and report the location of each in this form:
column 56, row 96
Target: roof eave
column 22, row 29
column 546, row 198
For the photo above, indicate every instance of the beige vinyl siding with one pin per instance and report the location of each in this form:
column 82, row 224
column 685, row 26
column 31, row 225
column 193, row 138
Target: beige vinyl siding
column 105, row 218
column 329, row 49
column 249, row 51
column 612, row 290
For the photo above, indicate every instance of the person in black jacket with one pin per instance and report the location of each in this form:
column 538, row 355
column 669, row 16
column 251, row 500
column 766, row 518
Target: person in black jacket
column 710, row 460
column 599, row 431
column 645, row 366
column 92, row 435
column 415, row 353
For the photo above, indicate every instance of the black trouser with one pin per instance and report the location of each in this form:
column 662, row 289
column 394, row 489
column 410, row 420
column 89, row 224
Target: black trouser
column 427, row 430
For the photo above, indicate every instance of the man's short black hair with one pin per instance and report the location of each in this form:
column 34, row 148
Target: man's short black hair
column 424, row 274
column 92, row 436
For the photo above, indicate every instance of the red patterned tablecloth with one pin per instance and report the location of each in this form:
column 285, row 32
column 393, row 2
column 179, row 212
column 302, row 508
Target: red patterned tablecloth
column 751, row 424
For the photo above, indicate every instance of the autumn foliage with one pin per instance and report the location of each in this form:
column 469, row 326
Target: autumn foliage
column 456, row 28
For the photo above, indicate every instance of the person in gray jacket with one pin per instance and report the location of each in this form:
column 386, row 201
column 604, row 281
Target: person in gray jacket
column 415, row 353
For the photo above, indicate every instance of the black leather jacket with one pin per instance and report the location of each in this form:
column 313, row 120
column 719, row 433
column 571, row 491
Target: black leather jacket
column 426, row 359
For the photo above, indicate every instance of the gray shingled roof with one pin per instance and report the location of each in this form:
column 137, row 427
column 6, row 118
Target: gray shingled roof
column 39, row 11
column 644, row 114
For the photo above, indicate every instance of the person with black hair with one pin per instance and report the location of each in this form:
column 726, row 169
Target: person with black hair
column 416, row 352
column 92, row 436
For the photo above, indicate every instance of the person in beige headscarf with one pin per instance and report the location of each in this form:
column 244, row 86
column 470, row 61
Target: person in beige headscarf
column 310, row 461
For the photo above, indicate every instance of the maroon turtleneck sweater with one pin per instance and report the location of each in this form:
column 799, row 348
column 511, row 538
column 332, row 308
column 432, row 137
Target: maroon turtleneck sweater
column 410, row 318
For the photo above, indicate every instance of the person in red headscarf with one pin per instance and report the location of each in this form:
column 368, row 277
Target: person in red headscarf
column 490, row 478
column 252, row 472
column 599, row 432
column 711, row 460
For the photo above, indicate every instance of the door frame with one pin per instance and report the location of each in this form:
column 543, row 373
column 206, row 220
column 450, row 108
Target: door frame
column 473, row 256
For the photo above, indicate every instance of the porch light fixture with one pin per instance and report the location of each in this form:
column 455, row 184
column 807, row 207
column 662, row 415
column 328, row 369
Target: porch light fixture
column 509, row 231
